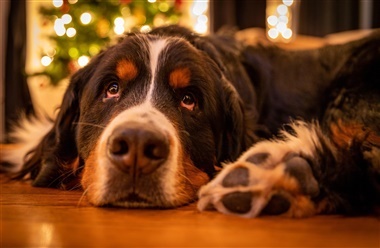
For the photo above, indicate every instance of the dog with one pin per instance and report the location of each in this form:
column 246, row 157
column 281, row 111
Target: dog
column 165, row 118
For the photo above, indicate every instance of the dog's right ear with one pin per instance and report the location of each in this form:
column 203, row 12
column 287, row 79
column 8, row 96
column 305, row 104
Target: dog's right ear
column 53, row 159
column 55, row 162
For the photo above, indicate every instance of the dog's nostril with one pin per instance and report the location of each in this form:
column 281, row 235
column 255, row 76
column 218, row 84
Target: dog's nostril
column 118, row 147
column 156, row 151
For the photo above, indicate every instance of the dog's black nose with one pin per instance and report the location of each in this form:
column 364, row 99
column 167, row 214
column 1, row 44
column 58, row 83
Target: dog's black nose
column 138, row 149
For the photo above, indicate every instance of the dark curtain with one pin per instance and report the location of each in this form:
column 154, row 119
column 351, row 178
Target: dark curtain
column 241, row 13
column 317, row 17
column 322, row 17
column 17, row 97
column 376, row 13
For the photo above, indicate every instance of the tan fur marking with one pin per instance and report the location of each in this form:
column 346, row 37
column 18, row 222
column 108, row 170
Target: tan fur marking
column 302, row 207
column 76, row 176
column 326, row 206
column 197, row 178
column 190, row 180
column 344, row 133
column 180, row 78
column 89, row 179
column 288, row 183
column 126, row 70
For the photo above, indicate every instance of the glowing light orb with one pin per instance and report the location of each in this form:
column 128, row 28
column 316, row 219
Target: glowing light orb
column 273, row 33
column 71, row 32
column 86, row 18
column 83, row 60
column 46, row 60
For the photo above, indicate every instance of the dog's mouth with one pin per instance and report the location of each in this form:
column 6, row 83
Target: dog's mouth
column 134, row 200
column 133, row 197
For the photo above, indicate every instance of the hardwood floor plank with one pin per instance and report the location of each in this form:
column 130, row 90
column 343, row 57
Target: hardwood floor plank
column 40, row 217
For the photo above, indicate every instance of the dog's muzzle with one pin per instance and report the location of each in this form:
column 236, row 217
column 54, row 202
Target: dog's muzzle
column 137, row 162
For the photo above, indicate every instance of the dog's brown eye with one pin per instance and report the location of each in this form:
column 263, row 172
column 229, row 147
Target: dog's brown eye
column 113, row 90
column 188, row 102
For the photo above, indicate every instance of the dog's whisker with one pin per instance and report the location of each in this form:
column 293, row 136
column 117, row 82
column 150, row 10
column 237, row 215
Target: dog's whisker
column 83, row 195
column 89, row 124
column 186, row 178
column 63, row 175
column 61, row 178
column 75, row 187
column 185, row 132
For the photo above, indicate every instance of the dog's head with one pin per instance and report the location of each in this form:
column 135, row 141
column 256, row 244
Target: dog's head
column 143, row 124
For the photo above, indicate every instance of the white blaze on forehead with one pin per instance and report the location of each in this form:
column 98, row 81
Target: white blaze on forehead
column 145, row 114
column 155, row 49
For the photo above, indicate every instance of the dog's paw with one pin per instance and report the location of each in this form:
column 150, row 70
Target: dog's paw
column 271, row 178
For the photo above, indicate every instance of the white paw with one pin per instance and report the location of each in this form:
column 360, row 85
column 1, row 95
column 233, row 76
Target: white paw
column 273, row 177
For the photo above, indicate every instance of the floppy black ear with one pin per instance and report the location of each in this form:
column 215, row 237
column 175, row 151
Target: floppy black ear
column 237, row 135
column 54, row 156
column 55, row 159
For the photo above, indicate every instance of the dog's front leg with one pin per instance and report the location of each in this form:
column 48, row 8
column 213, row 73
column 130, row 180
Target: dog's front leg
column 279, row 176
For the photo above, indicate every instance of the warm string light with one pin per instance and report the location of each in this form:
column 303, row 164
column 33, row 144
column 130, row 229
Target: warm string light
column 57, row 3
column 66, row 19
column 71, row 32
column 46, row 60
column 119, row 26
column 83, row 60
column 61, row 30
column 145, row 29
column 281, row 19
column 199, row 11
column 59, row 27
column 63, row 25
column 86, row 18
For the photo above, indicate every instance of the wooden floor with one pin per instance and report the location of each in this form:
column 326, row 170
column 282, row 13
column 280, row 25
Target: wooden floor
column 39, row 217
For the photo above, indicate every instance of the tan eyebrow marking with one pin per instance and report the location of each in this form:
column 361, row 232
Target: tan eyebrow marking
column 180, row 77
column 126, row 70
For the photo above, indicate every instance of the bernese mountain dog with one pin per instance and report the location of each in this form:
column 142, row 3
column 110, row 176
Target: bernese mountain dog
column 164, row 118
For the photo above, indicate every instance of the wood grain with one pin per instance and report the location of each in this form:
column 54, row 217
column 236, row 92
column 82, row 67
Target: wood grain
column 40, row 217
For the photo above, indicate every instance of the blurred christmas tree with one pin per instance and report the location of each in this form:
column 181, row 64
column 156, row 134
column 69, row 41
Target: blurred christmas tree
column 83, row 27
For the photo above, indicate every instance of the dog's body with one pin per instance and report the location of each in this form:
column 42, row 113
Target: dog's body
column 146, row 123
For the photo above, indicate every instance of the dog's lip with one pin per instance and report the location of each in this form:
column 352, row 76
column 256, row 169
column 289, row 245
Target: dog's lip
column 133, row 201
column 134, row 198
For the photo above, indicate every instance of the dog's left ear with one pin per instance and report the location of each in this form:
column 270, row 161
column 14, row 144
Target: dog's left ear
column 55, row 162
column 236, row 135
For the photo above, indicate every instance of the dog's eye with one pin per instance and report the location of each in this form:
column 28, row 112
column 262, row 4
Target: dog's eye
column 188, row 101
column 113, row 91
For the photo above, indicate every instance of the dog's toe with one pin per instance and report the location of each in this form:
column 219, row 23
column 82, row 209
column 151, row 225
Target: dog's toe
column 238, row 202
column 300, row 169
column 239, row 176
column 278, row 204
column 258, row 158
